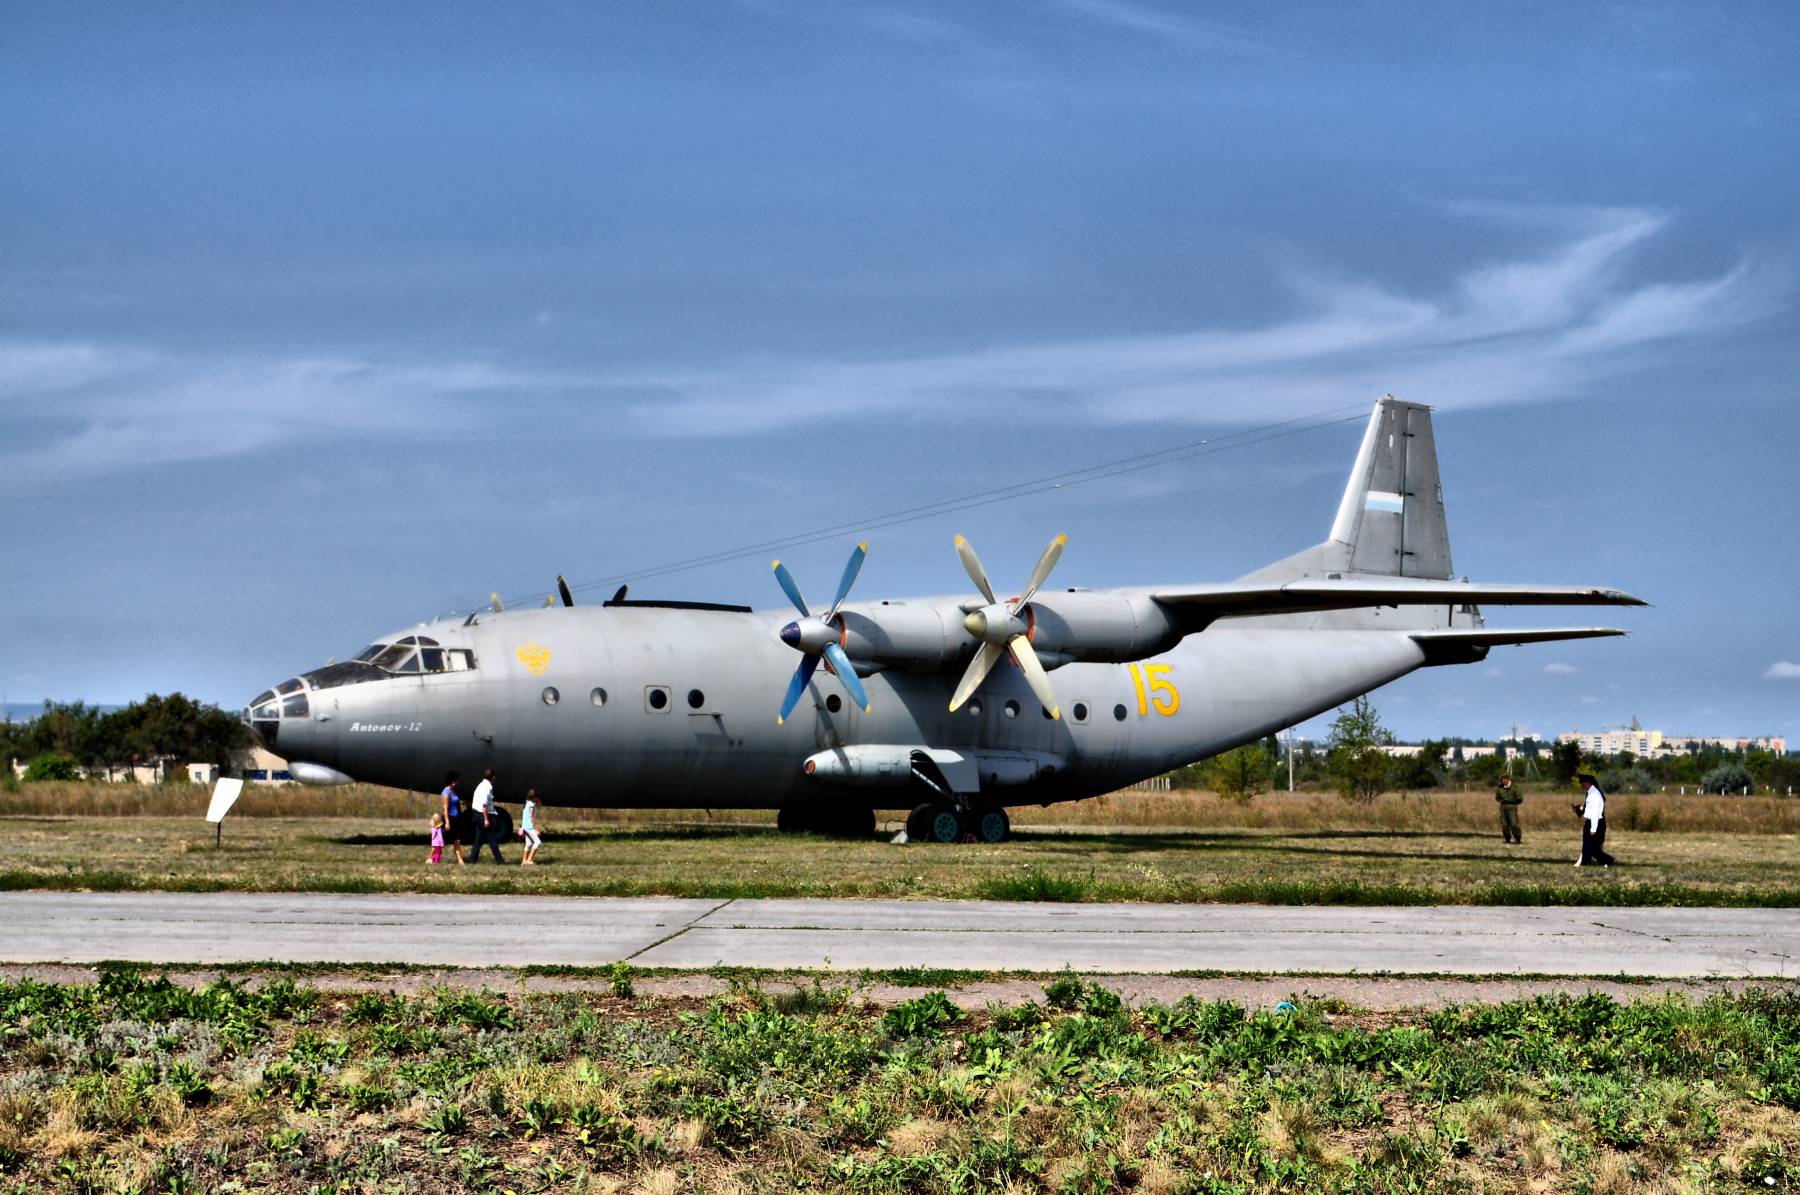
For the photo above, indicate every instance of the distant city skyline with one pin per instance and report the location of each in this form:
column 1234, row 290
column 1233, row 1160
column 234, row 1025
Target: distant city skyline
column 316, row 321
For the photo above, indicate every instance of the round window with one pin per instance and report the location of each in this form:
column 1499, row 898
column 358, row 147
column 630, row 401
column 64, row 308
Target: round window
column 598, row 697
column 975, row 709
column 1080, row 711
column 834, row 703
column 1012, row 709
column 551, row 696
column 696, row 699
column 1118, row 713
column 658, row 699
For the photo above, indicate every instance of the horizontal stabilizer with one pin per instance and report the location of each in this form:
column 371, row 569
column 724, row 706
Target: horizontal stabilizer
column 1242, row 599
column 1497, row 637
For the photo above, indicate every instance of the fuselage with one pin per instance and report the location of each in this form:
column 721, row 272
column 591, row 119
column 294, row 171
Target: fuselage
column 643, row 706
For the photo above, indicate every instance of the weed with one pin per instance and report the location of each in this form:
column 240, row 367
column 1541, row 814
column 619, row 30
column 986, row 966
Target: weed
column 926, row 1014
column 618, row 977
column 449, row 1120
column 1035, row 885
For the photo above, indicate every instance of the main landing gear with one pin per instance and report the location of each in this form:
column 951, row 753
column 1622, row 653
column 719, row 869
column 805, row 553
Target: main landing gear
column 937, row 821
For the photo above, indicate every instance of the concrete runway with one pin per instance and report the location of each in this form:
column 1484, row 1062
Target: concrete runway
column 490, row 931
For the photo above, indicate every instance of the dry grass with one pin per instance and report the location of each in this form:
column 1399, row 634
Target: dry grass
column 1432, row 811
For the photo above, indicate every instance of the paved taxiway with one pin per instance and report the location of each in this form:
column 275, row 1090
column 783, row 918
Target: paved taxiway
column 487, row 931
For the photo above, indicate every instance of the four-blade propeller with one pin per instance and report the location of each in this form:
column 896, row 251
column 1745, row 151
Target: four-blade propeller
column 817, row 637
column 1004, row 627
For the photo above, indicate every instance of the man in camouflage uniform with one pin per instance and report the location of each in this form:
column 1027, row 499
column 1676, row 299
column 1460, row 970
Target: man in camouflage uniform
column 1509, row 799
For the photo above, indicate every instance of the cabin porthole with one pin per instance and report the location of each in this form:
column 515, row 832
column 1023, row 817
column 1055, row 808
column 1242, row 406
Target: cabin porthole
column 975, row 709
column 551, row 696
column 1080, row 711
column 1011, row 709
column 1118, row 713
column 696, row 699
column 834, row 703
column 656, row 698
column 598, row 697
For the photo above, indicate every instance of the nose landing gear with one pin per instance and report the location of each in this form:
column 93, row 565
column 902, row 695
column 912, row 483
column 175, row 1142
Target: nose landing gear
column 938, row 821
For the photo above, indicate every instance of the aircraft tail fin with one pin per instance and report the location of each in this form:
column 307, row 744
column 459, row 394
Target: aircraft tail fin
column 1391, row 518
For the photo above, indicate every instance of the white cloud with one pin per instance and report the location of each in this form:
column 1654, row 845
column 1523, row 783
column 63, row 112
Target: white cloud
column 1547, row 325
column 1558, row 668
column 1782, row 670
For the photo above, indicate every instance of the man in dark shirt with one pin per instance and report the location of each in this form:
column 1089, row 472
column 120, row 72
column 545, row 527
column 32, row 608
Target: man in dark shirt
column 1509, row 799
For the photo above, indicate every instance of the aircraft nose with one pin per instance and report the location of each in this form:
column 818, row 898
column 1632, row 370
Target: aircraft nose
column 790, row 634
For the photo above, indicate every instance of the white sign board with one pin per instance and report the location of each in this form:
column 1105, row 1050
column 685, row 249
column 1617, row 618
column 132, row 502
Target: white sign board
column 225, row 794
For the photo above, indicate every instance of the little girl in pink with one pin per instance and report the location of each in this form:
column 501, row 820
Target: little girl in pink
column 437, row 838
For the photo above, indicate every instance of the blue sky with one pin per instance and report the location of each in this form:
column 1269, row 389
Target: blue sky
column 319, row 320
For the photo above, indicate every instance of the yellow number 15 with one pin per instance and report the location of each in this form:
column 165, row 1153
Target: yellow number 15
column 1154, row 688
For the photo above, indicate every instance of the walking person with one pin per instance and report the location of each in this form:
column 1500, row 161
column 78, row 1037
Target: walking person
column 1593, row 824
column 486, row 824
column 529, row 829
column 1509, row 799
column 452, row 813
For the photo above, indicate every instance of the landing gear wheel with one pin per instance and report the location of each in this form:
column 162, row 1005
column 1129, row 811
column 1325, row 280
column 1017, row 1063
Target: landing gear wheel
column 992, row 825
column 946, row 825
column 790, row 820
column 934, row 822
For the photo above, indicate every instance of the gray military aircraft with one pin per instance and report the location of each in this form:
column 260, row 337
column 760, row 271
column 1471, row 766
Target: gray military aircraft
column 665, row 704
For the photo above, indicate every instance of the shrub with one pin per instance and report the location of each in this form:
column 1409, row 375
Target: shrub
column 50, row 766
column 618, row 977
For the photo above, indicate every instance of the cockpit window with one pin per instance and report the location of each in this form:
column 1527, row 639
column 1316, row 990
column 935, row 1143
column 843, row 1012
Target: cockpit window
column 410, row 664
column 294, row 707
column 392, row 658
column 410, row 639
column 433, row 658
column 289, row 686
column 268, row 711
column 427, row 641
column 369, row 653
column 265, row 695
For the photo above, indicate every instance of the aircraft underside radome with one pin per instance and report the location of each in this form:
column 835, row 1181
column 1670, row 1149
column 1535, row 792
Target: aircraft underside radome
column 953, row 707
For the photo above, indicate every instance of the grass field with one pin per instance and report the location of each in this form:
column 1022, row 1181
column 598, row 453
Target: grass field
column 1282, row 849
column 135, row 1084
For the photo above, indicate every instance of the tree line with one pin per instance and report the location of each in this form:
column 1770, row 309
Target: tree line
column 69, row 736
column 1354, row 765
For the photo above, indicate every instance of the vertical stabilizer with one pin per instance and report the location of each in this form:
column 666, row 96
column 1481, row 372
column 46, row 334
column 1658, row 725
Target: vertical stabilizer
column 1391, row 518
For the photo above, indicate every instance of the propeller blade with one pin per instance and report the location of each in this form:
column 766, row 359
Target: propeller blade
column 1045, row 563
column 1026, row 657
column 498, row 605
column 846, row 672
column 562, row 587
column 786, row 580
column 849, row 579
column 972, row 565
column 978, row 670
column 797, row 686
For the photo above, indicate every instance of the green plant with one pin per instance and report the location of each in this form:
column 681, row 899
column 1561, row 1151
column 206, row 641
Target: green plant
column 926, row 1014
column 618, row 977
column 50, row 766
column 450, row 1120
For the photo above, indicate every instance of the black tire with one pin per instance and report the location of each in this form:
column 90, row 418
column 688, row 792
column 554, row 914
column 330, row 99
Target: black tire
column 854, row 823
column 502, row 828
column 918, row 823
column 992, row 825
column 946, row 825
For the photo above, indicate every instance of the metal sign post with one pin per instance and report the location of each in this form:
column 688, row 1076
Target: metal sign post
column 225, row 794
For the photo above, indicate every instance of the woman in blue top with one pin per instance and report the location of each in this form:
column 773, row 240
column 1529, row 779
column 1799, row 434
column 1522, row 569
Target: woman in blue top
column 453, row 814
column 529, row 829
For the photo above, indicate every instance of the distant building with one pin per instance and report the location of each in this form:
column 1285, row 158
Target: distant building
column 259, row 766
column 1654, row 744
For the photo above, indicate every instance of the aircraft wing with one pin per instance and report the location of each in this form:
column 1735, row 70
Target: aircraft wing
column 1500, row 637
column 1243, row 599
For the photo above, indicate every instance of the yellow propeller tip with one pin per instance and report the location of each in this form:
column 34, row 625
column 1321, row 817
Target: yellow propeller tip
column 1056, row 713
column 775, row 565
column 960, row 541
column 1062, row 539
column 863, row 547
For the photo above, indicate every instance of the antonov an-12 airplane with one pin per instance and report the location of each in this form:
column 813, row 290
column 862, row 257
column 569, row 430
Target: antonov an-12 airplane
column 953, row 707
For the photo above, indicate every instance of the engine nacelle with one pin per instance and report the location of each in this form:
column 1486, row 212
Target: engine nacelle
column 1066, row 627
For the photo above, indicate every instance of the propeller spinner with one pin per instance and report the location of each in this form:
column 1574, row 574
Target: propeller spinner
column 817, row 637
column 1005, row 627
